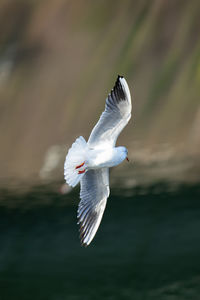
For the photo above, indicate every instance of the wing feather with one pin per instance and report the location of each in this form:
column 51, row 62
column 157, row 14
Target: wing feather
column 94, row 194
column 116, row 115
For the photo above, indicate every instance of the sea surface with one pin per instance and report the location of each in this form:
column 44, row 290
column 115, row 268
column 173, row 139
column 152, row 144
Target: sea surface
column 147, row 247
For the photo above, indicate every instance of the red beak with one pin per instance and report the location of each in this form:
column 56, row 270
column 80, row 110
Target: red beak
column 127, row 159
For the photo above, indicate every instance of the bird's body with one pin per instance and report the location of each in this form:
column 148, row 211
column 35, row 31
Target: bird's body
column 105, row 158
column 89, row 162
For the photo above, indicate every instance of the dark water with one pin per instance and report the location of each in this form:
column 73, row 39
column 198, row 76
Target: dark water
column 147, row 247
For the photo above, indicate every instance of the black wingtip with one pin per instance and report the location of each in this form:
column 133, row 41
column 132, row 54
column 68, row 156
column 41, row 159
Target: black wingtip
column 119, row 76
column 118, row 91
column 118, row 80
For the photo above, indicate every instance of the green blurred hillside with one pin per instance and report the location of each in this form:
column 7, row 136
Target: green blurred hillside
column 59, row 60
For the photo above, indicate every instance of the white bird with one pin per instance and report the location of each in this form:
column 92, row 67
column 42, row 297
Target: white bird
column 89, row 162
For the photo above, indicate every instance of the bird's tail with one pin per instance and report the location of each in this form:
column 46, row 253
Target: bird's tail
column 74, row 167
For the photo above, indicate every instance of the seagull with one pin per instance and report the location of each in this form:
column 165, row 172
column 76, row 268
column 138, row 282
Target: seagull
column 89, row 162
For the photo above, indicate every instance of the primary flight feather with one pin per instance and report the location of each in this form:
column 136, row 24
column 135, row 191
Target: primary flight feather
column 89, row 162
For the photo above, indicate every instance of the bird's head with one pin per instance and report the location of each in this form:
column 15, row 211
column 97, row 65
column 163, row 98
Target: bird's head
column 124, row 152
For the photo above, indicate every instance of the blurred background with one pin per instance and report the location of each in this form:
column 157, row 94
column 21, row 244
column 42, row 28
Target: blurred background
column 58, row 62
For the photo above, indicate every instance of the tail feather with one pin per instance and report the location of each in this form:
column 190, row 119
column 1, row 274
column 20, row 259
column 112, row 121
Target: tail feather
column 76, row 157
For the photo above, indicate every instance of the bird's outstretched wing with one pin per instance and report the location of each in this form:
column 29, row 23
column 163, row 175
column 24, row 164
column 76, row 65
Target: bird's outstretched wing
column 94, row 193
column 116, row 115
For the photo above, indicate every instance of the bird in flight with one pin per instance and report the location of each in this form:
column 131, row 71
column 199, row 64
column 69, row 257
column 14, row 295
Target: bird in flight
column 89, row 162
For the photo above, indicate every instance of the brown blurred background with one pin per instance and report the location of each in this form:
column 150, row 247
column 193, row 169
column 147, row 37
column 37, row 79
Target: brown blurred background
column 58, row 61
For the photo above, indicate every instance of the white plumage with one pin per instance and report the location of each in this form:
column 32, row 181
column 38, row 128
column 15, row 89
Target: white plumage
column 89, row 162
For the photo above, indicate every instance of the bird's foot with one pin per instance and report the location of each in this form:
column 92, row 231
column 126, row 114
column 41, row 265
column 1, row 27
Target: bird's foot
column 81, row 172
column 79, row 166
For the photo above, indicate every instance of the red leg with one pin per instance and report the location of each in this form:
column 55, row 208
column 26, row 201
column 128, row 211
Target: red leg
column 77, row 167
column 81, row 172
